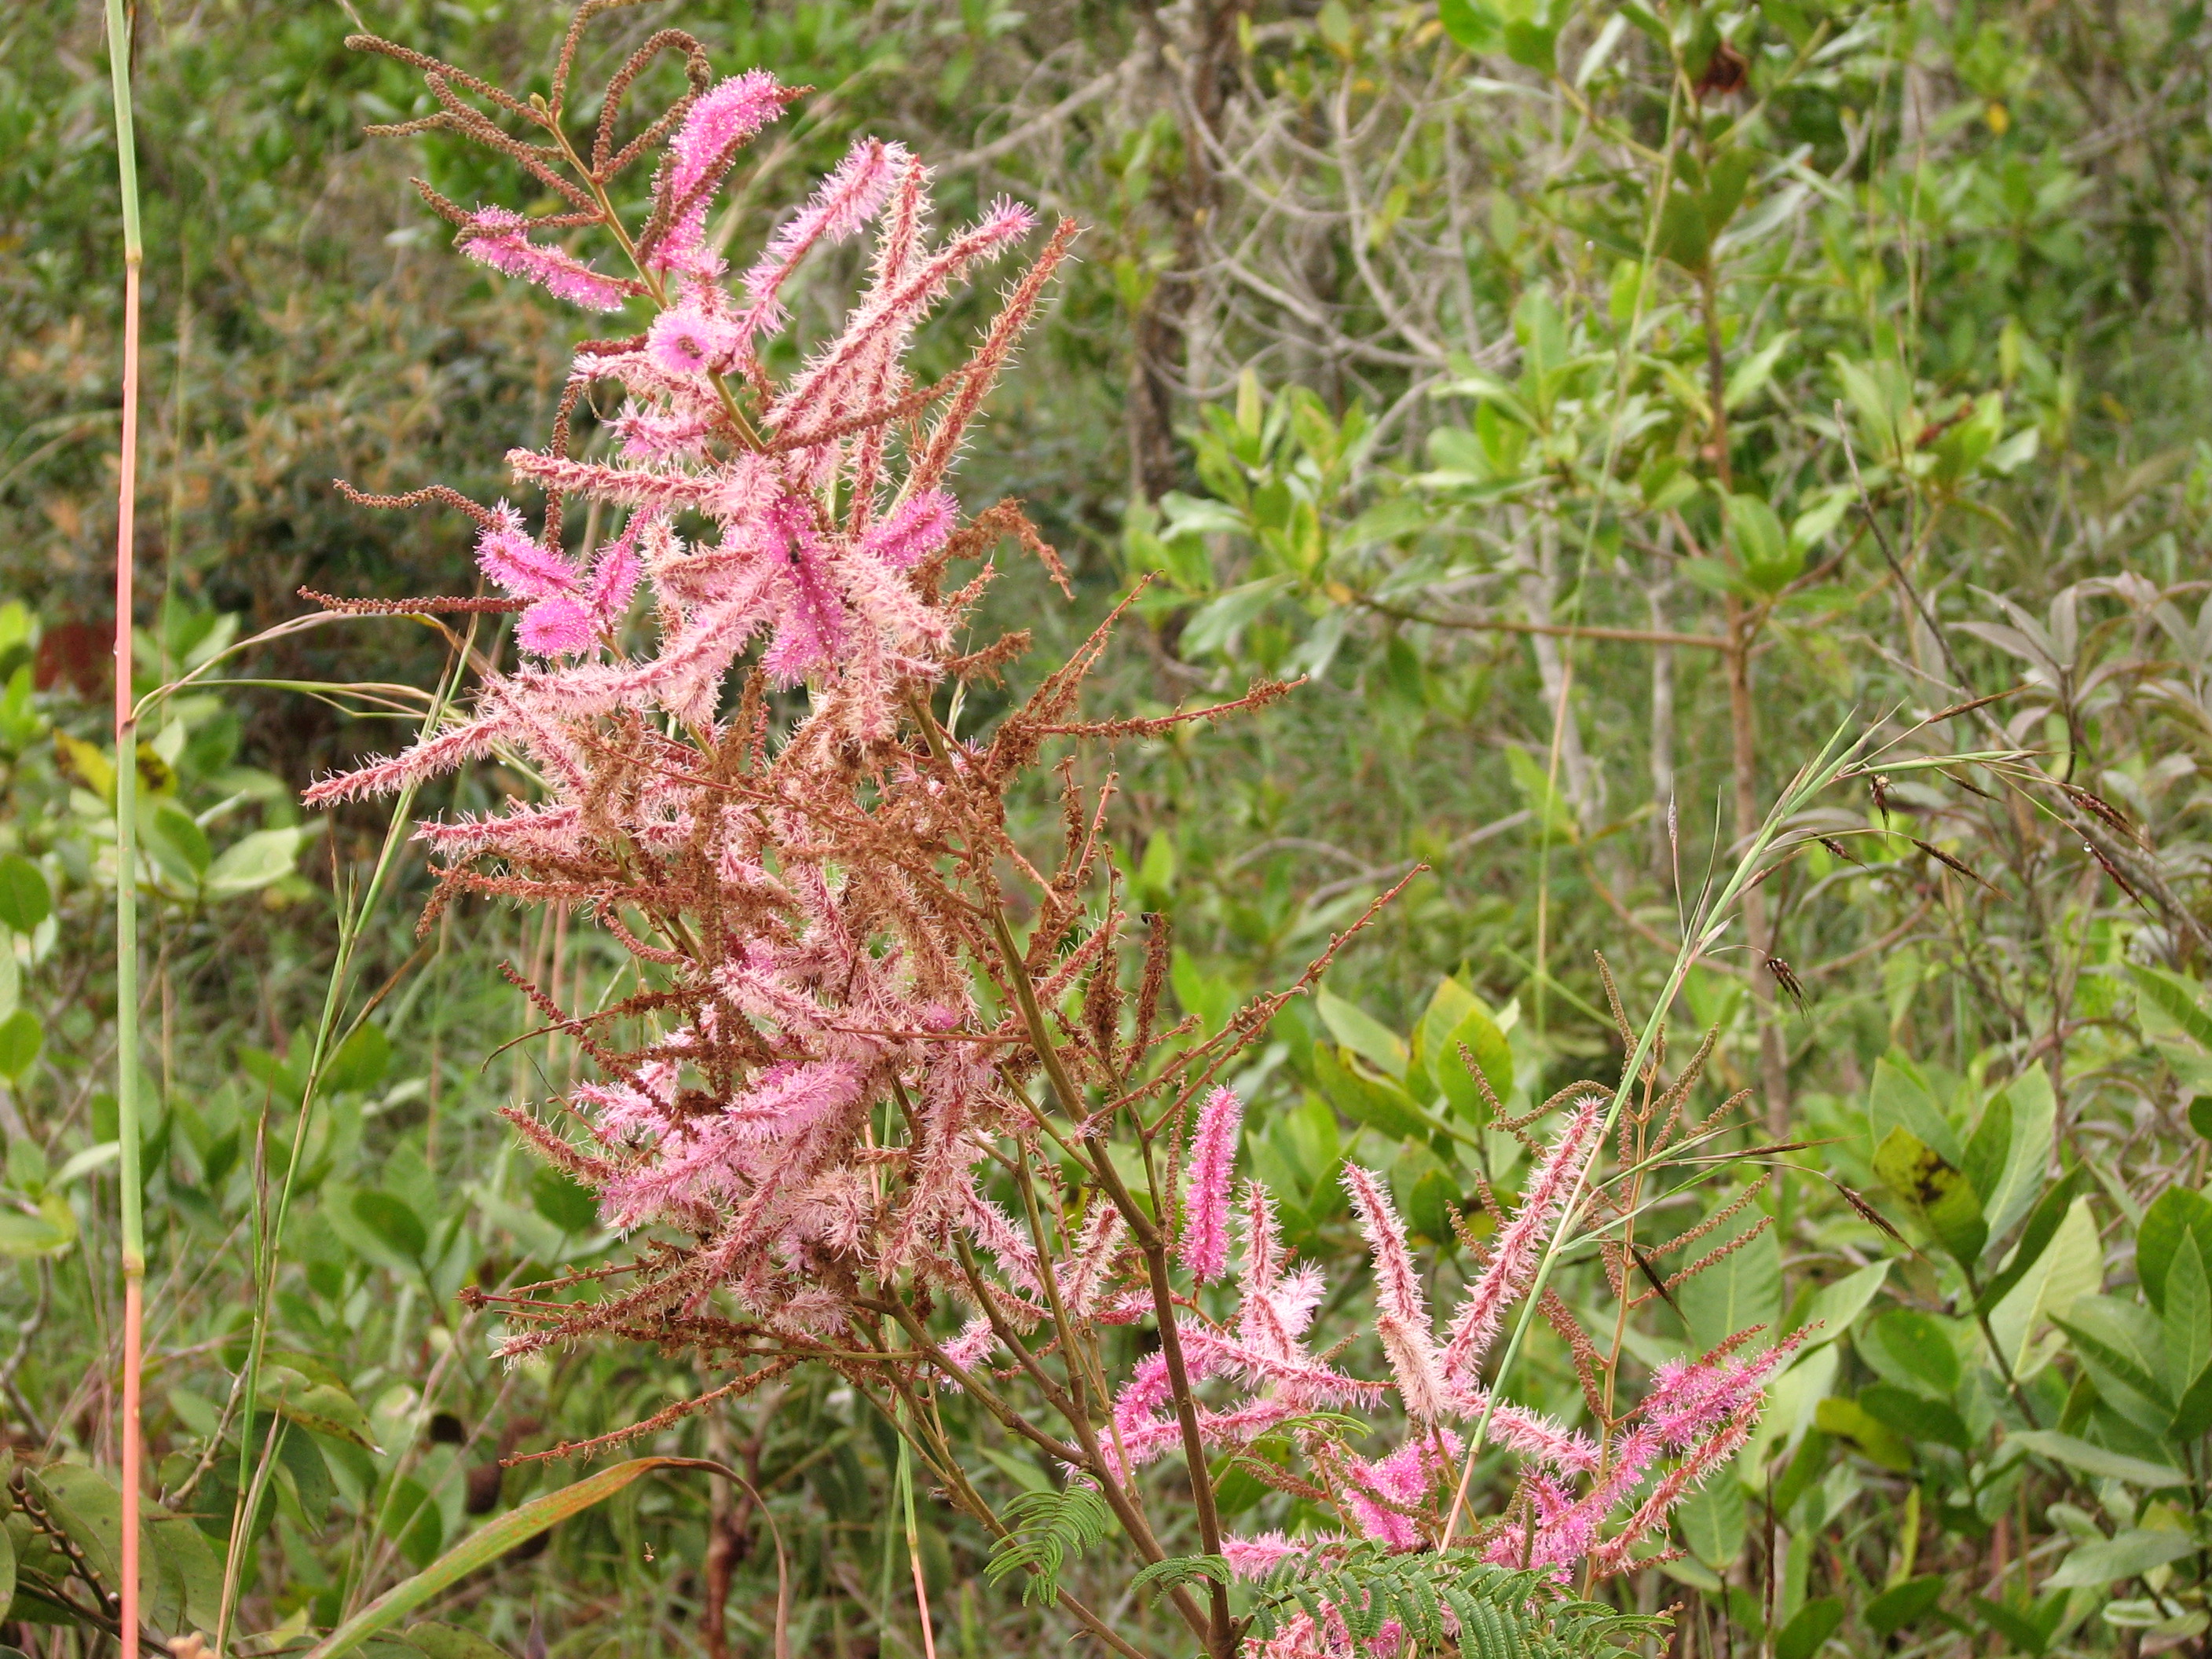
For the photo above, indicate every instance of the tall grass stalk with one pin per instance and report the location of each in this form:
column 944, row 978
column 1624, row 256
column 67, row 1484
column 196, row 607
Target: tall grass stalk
column 356, row 909
column 1710, row 922
column 126, row 850
column 913, row 1550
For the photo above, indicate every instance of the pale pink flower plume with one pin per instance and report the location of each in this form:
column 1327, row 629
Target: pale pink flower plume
column 1401, row 1311
column 692, row 341
column 809, row 985
column 1203, row 1245
column 1587, row 1504
column 569, row 608
column 716, row 128
column 845, row 201
column 498, row 237
column 1513, row 1259
column 1258, row 1556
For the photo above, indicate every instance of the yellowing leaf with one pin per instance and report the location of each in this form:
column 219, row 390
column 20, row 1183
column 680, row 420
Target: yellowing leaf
column 1936, row 1190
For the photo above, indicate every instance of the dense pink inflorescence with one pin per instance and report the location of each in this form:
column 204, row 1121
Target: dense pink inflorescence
column 499, row 237
column 717, row 127
column 1587, row 1504
column 815, row 1109
column 1203, row 1243
column 809, row 988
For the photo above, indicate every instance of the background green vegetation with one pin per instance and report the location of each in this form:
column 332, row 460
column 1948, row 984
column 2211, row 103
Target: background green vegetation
column 1503, row 371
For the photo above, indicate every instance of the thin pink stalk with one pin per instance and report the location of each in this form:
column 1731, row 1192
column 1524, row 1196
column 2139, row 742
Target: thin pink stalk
column 126, row 917
column 126, row 892
column 922, row 1597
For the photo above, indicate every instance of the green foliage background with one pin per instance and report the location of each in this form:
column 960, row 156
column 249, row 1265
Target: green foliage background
column 1503, row 371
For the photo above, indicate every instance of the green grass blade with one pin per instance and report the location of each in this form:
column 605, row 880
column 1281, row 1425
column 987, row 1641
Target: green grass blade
column 483, row 1546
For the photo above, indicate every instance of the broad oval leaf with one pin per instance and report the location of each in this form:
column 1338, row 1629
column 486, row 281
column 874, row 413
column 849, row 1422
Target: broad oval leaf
column 392, row 1220
column 2095, row 1460
column 1364, row 1035
column 2175, row 998
column 87, row 1506
column 191, row 1575
column 177, row 842
column 1475, row 1036
column 440, row 1641
column 2043, row 1225
column 324, row 1409
column 2070, row 1267
column 1473, row 26
column 2118, row 1343
column 1903, row 1604
column 1369, row 1101
column 1835, row 1306
column 1741, row 1290
column 2129, row 1555
column 2192, row 1413
column 2187, row 1326
column 411, row 1520
column 50, row 1232
column 25, row 899
column 567, row 1204
column 22, row 1036
column 361, row 1061
column 254, row 861
column 1915, row 1416
column 1936, row 1191
column 2033, row 1110
column 1761, row 543
column 1988, row 1148
column 1916, row 1344
column 1873, row 1440
column 1810, row 1626
column 1711, row 1521
column 2174, row 1211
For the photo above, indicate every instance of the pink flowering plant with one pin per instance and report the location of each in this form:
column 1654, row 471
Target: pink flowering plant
column 856, row 1115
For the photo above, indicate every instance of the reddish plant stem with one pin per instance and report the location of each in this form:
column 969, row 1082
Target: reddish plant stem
column 126, row 893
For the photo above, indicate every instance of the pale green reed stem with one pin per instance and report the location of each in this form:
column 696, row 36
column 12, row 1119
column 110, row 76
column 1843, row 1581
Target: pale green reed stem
column 130, row 1177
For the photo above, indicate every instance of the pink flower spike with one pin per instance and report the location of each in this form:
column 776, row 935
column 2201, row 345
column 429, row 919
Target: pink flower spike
column 716, row 128
column 558, row 627
column 811, row 629
column 1403, row 1314
column 971, row 1347
column 1204, row 1244
column 844, row 201
column 1513, row 1262
column 914, row 530
column 688, row 341
column 615, row 576
column 496, row 237
column 1256, row 1557
column 519, row 562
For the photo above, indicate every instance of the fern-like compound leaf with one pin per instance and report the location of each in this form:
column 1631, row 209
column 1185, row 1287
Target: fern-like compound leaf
column 1177, row 1571
column 1045, row 1527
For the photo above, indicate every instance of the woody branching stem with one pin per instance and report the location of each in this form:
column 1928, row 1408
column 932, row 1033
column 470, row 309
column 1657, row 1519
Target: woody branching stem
column 1215, row 1627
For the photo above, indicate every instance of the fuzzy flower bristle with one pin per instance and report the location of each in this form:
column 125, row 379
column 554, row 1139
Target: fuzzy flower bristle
column 716, row 127
column 786, row 1019
column 689, row 340
column 1203, row 1243
column 499, row 238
